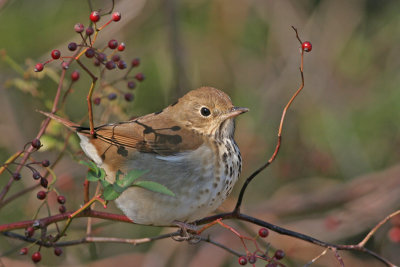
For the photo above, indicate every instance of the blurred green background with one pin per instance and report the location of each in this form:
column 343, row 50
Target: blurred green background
column 337, row 173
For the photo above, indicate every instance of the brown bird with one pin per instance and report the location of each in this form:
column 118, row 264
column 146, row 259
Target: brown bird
column 187, row 147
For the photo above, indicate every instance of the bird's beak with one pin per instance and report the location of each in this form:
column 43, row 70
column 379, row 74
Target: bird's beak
column 236, row 111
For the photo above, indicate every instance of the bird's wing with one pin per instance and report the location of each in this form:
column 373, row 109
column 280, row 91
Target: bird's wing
column 146, row 136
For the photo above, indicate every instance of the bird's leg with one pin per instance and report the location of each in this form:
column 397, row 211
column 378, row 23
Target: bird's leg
column 188, row 232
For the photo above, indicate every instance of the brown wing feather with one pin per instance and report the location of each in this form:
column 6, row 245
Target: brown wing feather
column 145, row 135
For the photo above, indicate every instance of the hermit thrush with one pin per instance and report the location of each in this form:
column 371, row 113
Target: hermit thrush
column 188, row 147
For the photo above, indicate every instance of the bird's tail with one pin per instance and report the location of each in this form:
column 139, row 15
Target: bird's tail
column 69, row 124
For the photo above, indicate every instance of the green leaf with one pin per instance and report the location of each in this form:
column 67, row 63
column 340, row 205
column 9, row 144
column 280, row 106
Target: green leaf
column 118, row 189
column 92, row 176
column 130, row 177
column 89, row 164
column 109, row 193
column 104, row 183
column 155, row 187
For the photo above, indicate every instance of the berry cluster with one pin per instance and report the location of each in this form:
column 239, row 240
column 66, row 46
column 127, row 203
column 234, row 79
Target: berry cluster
column 258, row 254
column 100, row 58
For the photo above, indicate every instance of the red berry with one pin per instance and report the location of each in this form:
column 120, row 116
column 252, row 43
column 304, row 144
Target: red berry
column 29, row 231
column 112, row 44
column 16, row 176
column 96, row 62
column 115, row 58
column 58, row 251
column 65, row 65
column 89, row 52
column 121, row 65
column 131, row 85
column 94, row 16
column 36, row 257
column 394, row 234
column 79, row 27
column 116, row 16
column 61, row 199
column 72, row 46
column 45, row 163
column 75, row 75
column 306, row 46
column 128, row 97
column 89, row 31
column 41, row 195
column 139, row 76
column 242, row 260
column 55, row 54
column 135, row 62
column 62, row 209
column 263, row 232
column 39, row 67
column 44, row 182
column 110, row 65
column 279, row 254
column 121, row 47
column 97, row 101
column 23, row 251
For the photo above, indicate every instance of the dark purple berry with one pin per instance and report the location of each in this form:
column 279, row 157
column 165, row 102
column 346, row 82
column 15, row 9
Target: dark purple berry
column 139, row 76
column 135, row 62
column 112, row 96
column 89, row 52
column 39, row 67
column 41, row 195
column 89, row 31
column 55, row 54
column 62, row 209
column 112, row 44
column 97, row 101
column 72, row 46
column 29, row 231
column 36, row 175
column 279, row 254
column 110, row 65
column 79, row 27
column 121, row 65
column 36, row 257
column 61, row 199
column 102, row 57
column 58, row 251
column 36, row 143
column 263, row 232
column 45, row 163
column 131, row 85
column 44, row 182
column 242, row 260
column 252, row 259
column 128, row 97
column 96, row 62
column 16, row 176
column 23, row 251
column 115, row 58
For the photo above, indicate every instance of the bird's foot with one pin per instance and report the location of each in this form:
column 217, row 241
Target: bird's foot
column 188, row 232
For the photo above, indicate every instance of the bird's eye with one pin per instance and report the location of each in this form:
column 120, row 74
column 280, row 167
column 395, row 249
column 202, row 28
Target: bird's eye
column 205, row 111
